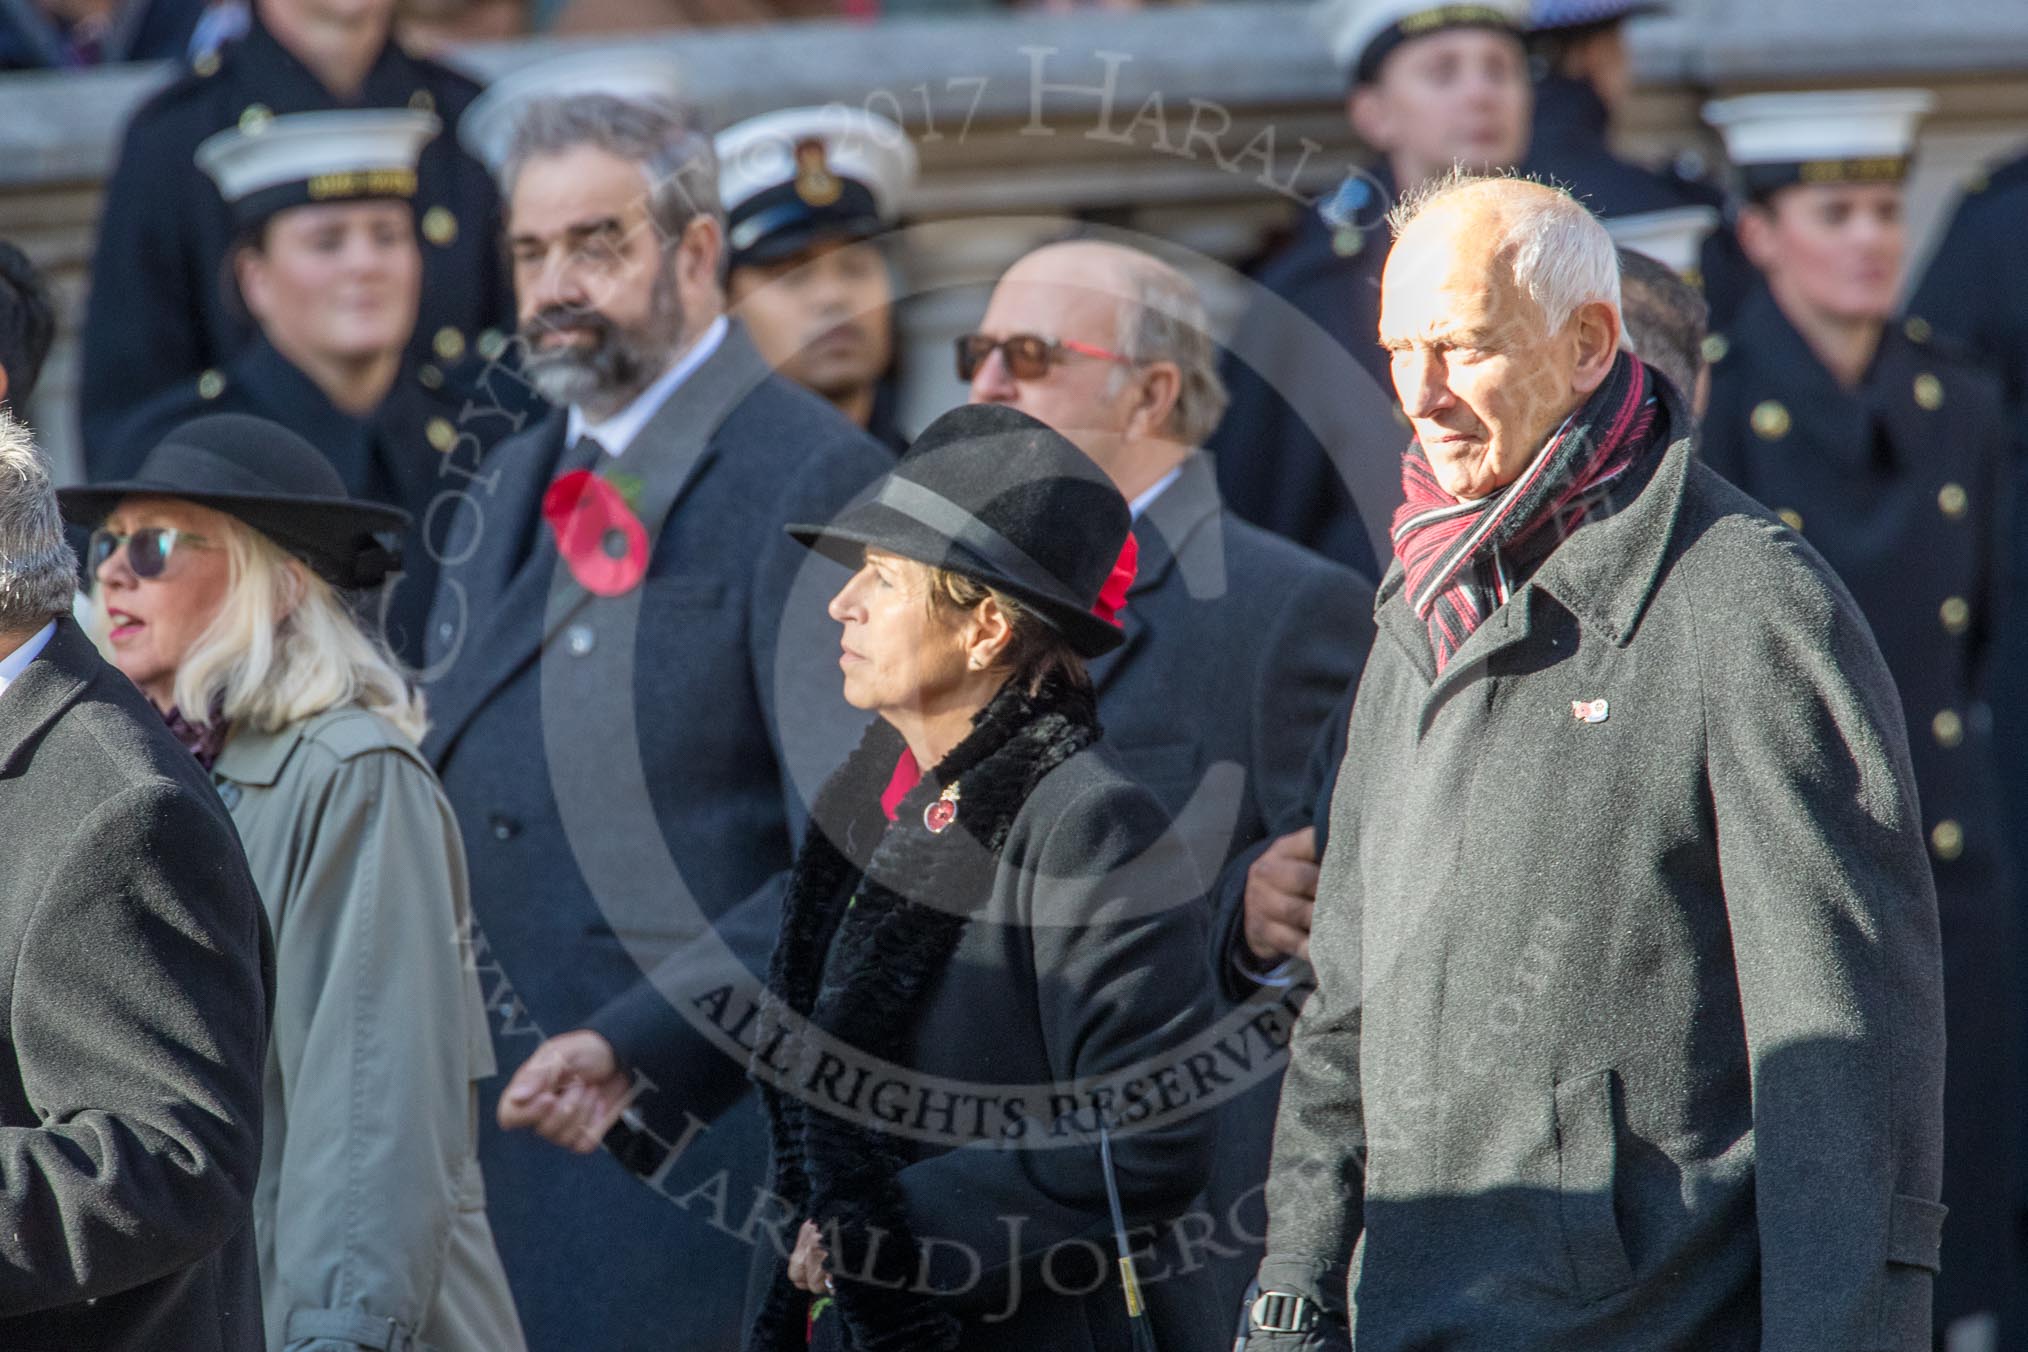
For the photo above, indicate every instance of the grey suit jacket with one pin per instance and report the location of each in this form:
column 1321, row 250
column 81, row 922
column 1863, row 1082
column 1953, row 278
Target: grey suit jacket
column 135, row 980
column 1629, row 1026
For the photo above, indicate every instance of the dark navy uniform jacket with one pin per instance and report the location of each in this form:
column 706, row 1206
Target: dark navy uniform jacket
column 159, row 311
column 1572, row 148
column 1902, row 486
column 142, row 30
column 626, row 769
column 430, row 423
column 1310, row 445
column 1977, row 285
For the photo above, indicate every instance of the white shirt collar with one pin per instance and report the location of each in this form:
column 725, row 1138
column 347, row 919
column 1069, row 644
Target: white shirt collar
column 1153, row 491
column 16, row 662
column 617, row 433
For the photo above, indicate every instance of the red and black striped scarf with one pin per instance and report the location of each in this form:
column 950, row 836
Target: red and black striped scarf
column 1457, row 556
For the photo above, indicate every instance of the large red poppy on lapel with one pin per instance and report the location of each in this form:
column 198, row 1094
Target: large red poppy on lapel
column 597, row 533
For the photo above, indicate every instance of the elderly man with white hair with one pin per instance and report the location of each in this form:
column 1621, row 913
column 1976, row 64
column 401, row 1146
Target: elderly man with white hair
column 134, row 1018
column 1628, row 1030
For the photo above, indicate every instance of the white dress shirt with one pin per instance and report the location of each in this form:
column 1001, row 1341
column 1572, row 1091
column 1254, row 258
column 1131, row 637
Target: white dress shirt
column 16, row 662
column 1151, row 492
column 616, row 433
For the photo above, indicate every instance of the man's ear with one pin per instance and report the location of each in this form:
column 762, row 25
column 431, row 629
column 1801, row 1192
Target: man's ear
column 1156, row 391
column 1596, row 327
column 5, row 385
column 698, row 254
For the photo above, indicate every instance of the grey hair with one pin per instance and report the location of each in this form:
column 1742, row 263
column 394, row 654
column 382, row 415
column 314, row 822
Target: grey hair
column 1561, row 256
column 1665, row 319
column 1164, row 320
column 38, row 571
column 667, row 140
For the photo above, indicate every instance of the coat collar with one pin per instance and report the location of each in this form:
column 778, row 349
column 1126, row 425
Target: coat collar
column 1839, row 425
column 55, row 680
column 256, row 758
column 1606, row 573
column 290, row 86
column 1177, row 532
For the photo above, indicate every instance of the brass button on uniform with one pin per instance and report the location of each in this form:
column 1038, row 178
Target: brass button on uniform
column 1956, row 614
column 1917, row 328
column 1952, row 500
column 491, row 344
column 1929, row 392
column 449, row 343
column 210, row 385
column 422, row 101
column 206, row 65
column 429, row 377
column 255, row 119
column 1770, row 420
column 1791, row 518
column 1948, row 728
column 1947, row 840
column 439, row 226
column 1715, row 348
column 442, row 435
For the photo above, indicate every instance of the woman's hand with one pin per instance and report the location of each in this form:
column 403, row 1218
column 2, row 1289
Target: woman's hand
column 570, row 1092
column 806, row 1264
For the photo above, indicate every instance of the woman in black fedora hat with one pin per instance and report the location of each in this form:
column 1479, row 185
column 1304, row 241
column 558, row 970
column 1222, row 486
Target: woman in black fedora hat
column 990, row 962
column 221, row 566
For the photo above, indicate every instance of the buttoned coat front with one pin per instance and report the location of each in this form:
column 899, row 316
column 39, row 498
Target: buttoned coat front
column 369, row 1209
column 1628, row 1031
column 626, row 769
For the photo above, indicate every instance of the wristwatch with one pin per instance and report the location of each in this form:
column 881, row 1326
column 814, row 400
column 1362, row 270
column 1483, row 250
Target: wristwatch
column 1283, row 1312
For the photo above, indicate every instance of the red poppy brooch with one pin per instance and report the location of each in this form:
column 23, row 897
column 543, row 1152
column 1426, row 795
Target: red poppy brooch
column 599, row 537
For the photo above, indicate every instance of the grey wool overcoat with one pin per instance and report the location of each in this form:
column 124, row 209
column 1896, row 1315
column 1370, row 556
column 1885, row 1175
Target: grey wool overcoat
column 1629, row 1030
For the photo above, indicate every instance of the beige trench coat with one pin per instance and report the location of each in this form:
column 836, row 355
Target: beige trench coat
column 369, row 1210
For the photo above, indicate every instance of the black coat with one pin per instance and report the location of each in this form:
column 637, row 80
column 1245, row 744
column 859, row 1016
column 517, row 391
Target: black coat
column 1309, row 446
column 989, row 982
column 1902, row 486
column 623, row 769
column 1976, row 288
column 134, row 1013
column 159, row 311
column 1238, row 645
column 429, row 430
column 1628, row 1031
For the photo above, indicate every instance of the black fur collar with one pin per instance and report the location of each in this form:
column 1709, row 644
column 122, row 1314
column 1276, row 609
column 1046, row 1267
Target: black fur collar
column 859, row 971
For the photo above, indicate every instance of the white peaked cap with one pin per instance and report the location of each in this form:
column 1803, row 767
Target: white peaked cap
column 307, row 147
column 1828, row 125
column 1350, row 26
column 1672, row 237
column 487, row 128
column 760, row 153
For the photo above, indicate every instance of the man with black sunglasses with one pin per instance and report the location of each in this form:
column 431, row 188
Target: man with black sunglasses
column 1239, row 643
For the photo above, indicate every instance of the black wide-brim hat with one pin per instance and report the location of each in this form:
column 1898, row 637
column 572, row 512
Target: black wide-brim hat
column 991, row 494
column 274, row 481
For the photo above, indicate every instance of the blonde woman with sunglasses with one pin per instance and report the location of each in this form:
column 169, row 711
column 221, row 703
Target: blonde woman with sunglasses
column 221, row 570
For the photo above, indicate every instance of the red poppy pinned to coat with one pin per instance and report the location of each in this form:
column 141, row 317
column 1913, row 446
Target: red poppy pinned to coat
column 1112, row 597
column 597, row 533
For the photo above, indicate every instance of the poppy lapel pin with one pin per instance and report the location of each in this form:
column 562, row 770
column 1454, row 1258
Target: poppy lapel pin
column 597, row 534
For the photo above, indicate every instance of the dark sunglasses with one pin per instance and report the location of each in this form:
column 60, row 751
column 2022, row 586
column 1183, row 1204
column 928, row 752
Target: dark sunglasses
column 148, row 549
column 1029, row 355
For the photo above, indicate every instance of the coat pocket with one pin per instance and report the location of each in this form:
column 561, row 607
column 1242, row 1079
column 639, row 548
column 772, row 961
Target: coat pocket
column 1587, row 1163
column 1914, row 1234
